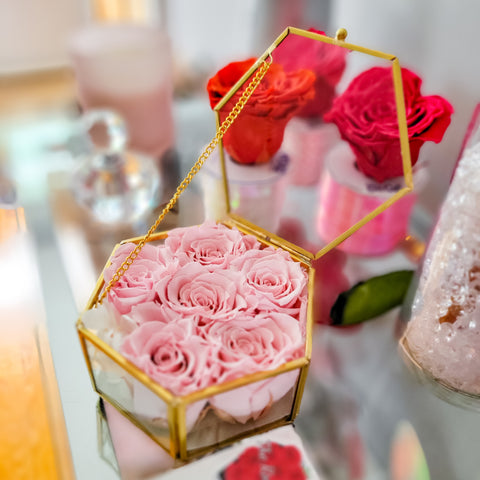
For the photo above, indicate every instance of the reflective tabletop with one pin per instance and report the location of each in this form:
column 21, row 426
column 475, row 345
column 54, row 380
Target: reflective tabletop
column 358, row 394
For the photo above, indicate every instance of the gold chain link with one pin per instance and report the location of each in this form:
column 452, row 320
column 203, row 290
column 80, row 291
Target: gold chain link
column 193, row 171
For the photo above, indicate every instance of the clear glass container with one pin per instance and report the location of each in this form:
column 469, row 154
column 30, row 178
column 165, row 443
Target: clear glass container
column 442, row 340
column 115, row 185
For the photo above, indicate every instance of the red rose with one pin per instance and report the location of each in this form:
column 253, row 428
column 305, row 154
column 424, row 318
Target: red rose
column 270, row 461
column 366, row 117
column 221, row 83
column 257, row 133
column 327, row 61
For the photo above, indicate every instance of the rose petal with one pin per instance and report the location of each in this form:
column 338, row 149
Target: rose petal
column 250, row 401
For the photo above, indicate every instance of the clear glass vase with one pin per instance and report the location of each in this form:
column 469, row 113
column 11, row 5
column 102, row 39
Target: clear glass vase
column 257, row 192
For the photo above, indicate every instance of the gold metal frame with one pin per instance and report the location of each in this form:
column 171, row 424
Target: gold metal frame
column 176, row 405
column 339, row 41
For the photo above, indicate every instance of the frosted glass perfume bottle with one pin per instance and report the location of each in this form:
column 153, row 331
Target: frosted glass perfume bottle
column 115, row 185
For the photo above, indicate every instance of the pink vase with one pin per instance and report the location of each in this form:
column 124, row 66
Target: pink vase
column 128, row 68
column 346, row 196
column 307, row 143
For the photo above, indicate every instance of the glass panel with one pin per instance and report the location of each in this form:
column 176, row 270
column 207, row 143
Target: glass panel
column 137, row 455
column 131, row 396
column 324, row 117
column 239, row 411
column 105, row 445
column 363, row 168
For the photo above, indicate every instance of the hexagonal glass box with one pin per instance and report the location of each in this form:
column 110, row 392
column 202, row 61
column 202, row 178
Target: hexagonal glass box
column 191, row 424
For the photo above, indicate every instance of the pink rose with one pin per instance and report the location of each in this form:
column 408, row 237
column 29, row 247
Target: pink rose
column 148, row 312
column 152, row 311
column 251, row 401
column 121, row 253
column 148, row 252
column 210, row 243
column 247, row 346
column 136, row 285
column 175, row 360
column 251, row 344
column 280, row 282
column 194, row 290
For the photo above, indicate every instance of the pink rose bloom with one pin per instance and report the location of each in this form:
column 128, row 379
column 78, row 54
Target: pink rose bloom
column 262, row 342
column 136, row 285
column 251, row 401
column 194, row 290
column 280, row 283
column 148, row 252
column 153, row 312
column 209, row 243
column 177, row 362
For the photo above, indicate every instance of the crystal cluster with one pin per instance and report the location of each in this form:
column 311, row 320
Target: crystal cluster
column 444, row 332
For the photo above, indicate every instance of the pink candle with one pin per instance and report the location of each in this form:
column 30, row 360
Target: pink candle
column 127, row 68
column 307, row 143
column 347, row 196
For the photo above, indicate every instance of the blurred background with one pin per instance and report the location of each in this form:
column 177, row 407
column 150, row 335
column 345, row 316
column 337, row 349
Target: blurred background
column 48, row 57
column 434, row 38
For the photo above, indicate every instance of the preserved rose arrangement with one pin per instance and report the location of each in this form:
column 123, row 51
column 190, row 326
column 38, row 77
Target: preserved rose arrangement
column 208, row 306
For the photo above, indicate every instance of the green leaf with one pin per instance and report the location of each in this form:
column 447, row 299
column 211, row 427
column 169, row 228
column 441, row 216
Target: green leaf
column 371, row 298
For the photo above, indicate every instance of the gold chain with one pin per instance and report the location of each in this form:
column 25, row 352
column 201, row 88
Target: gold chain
column 193, row 171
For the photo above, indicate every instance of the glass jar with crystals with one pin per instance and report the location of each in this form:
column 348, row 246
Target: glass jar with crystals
column 442, row 340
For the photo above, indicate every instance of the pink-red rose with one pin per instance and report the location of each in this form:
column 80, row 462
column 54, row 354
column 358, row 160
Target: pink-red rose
column 327, row 61
column 257, row 133
column 366, row 116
